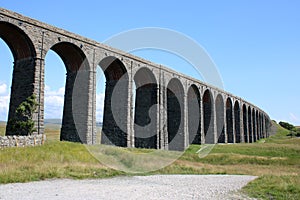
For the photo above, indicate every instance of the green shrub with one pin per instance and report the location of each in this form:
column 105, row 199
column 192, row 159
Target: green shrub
column 292, row 134
column 287, row 126
column 22, row 123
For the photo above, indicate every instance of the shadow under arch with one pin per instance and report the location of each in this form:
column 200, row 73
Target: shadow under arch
column 229, row 120
column 237, row 122
column 208, row 117
column 17, row 40
column 254, row 127
column 220, row 118
column 175, row 115
column 24, row 69
column 145, row 117
column 257, row 124
column 246, row 131
column 262, row 135
column 250, row 125
column 74, row 60
column 115, row 116
column 194, row 115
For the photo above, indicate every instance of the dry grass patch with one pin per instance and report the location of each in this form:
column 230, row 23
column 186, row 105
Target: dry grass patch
column 2, row 128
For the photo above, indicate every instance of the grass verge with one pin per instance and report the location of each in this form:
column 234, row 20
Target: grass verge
column 275, row 160
column 52, row 160
column 2, row 128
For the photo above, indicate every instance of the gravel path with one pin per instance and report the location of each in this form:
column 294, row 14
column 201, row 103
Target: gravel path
column 136, row 187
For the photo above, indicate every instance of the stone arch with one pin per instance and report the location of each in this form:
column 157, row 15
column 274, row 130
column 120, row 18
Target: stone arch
column 17, row 40
column 115, row 112
column 74, row 60
column 229, row 120
column 250, row 125
column 254, row 125
column 245, row 124
column 175, row 114
column 237, row 122
column 194, row 115
column 72, row 56
column 24, row 67
column 145, row 117
column 208, row 117
column 219, row 105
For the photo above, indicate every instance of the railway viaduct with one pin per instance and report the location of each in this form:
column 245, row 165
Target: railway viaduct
column 168, row 111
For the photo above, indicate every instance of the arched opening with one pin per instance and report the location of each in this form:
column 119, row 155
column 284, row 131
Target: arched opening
column 237, row 122
column 254, row 126
column 194, row 115
column 74, row 60
column 258, row 125
column 250, row 127
column 175, row 115
column 145, row 117
column 267, row 125
column 229, row 121
column 6, row 67
column 114, row 131
column 220, row 119
column 263, row 128
column 55, row 82
column 261, row 125
column 208, row 117
column 246, row 135
column 100, row 95
column 23, row 70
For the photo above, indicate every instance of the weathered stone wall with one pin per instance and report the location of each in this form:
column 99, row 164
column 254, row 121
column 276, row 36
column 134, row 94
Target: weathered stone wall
column 22, row 141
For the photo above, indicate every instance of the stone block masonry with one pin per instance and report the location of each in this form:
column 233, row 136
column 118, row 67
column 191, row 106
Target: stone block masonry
column 22, row 141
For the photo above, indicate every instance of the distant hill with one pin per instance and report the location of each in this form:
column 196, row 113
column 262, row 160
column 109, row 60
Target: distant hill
column 53, row 121
column 59, row 122
column 99, row 124
column 46, row 121
column 56, row 122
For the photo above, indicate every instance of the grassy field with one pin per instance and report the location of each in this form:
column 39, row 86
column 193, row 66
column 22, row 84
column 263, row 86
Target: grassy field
column 2, row 128
column 276, row 161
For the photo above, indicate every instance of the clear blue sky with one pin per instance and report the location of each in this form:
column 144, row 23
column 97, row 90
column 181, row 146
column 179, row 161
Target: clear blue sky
column 255, row 44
